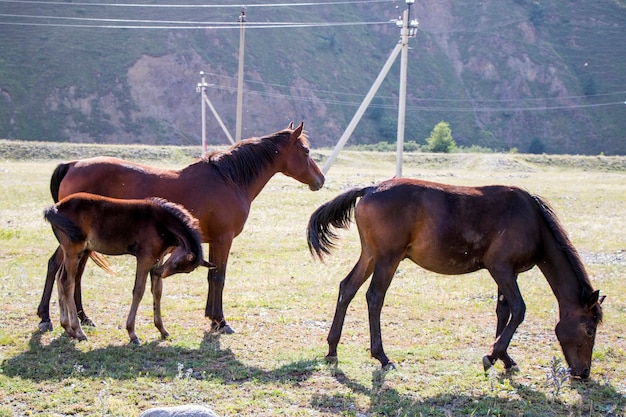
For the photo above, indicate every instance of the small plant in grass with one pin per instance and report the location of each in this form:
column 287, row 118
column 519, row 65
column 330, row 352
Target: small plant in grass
column 557, row 376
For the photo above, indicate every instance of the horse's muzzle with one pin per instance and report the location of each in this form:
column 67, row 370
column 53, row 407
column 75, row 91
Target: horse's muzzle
column 582, row 374
column 316, row 185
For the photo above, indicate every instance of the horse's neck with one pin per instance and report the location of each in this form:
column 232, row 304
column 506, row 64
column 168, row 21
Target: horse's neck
column 561, row 275
column 255, row 186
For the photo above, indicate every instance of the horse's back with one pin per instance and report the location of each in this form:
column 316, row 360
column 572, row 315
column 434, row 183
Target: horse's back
column 219, row 205
column 112, row 177
column 449, row 229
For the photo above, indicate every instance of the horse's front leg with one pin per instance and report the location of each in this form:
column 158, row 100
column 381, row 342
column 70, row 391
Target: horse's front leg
column 507, row 288
column 503, row 313
column 347, row 290
column 43, row 311
column 144, row 265
column 218, row 254
column 156, row 285
column 383, row 274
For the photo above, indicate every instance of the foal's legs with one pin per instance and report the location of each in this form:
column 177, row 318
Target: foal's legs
column 347, row 289
column 78, row 298
column 156, row 285
column 144, row 265
column 506, row 280
column 66, row 286
column 503, row 312
column 43, row 311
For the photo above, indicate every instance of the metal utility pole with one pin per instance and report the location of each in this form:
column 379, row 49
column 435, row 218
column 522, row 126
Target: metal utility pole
column 408, row 29
column 201, row 88
column 242, row 35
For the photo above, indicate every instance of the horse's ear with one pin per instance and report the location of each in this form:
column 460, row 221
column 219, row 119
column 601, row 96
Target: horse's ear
column 290, row 127
column 593, row 299
column 208, row 264
column 298, row 131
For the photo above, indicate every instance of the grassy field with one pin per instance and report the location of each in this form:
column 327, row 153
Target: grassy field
column 280, row 302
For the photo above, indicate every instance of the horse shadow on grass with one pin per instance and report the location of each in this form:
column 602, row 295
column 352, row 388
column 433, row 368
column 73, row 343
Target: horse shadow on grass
column 596, row 399
column 61, row 359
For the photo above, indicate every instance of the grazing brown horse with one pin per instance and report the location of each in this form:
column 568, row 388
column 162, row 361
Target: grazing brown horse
column 147, row 229
column 217, row 190
column 455, row 230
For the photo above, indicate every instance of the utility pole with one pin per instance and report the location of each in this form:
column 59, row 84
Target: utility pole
column 201, row 88
column 404, row 59
column 242, row 35
column 408, row 29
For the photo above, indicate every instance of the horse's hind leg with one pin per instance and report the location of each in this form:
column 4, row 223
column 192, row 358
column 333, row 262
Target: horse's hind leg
column 503, row 312
column 383, row 274
column 156, row 285
column 347, row 290
column 43, row 311
column 66, row 287
column 78, row 299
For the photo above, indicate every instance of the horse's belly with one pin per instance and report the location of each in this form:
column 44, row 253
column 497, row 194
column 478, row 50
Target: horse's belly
column 444, row 262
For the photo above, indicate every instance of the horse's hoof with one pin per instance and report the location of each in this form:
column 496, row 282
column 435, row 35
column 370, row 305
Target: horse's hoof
column 512, row 369
column 165, row 336
column 135, row 341
column 222, row 327
column 389, row 367
column 487, row 363
column 332, row 359
column 88, row 322
column 226, row 329
column 45, row 326
column 81, row 338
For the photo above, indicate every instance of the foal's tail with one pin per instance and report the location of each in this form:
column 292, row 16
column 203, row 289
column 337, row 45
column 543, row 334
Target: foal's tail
column 74, row 234
column 55, row 183
column 336, row 213
column 63, row 224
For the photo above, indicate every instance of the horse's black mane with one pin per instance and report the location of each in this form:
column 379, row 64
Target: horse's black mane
column 242, row 162
column 560, row 235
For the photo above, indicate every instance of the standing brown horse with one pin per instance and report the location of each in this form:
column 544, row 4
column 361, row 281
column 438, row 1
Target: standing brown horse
column 147, row 229
column 455, row 230
column 217, row 190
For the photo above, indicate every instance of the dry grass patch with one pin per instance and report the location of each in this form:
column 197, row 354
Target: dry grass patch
column 280, row 301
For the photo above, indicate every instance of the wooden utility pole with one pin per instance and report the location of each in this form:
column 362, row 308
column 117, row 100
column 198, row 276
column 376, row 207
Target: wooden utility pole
column 242, row 43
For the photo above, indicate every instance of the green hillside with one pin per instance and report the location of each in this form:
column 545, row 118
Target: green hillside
column 539, row 76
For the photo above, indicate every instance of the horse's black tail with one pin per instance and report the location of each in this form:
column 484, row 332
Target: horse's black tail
column 336, row 213
column 55, row 180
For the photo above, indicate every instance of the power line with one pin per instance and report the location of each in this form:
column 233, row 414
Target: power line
column 188, row 6
column 198, row 25
column 429, row 108
column 427, row 100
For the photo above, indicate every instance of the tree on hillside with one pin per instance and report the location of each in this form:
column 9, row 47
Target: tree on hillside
column 440, row 139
